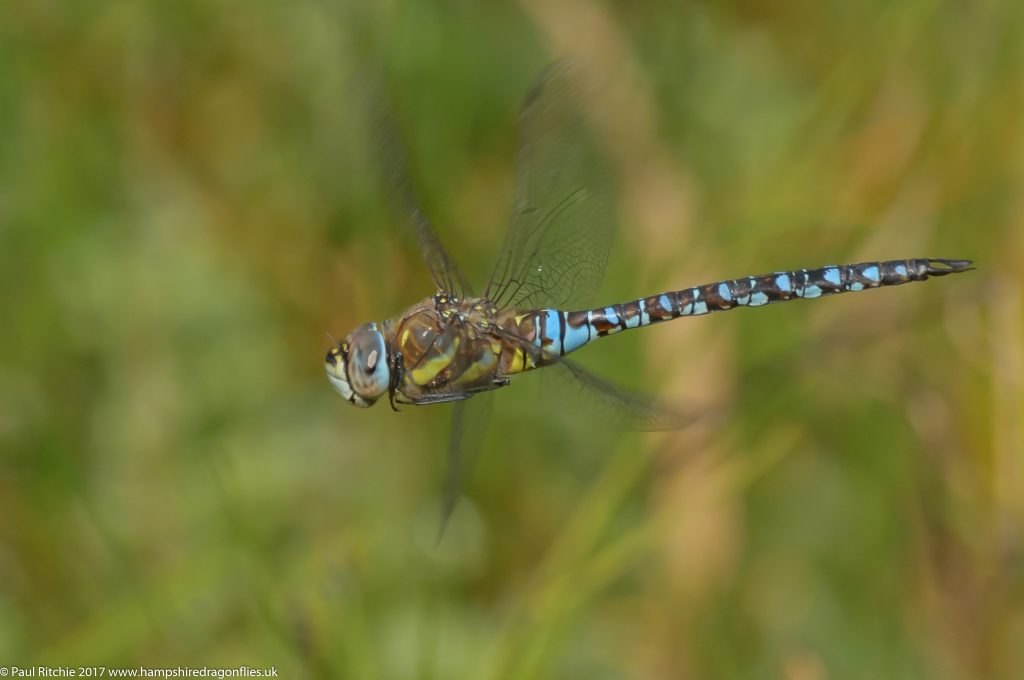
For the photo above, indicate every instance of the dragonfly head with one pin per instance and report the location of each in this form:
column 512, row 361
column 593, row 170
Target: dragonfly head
column 358, row 368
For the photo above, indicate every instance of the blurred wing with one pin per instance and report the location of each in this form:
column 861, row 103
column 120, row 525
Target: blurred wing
column 607, row 402
column 557, row 243
column 395, row 170
column 469, row 423
column 576, row 388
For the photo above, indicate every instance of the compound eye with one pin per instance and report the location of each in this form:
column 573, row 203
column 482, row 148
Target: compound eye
column 372, row 377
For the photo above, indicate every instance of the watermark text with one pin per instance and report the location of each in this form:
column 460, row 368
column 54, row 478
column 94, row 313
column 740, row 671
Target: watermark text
column 136, row 672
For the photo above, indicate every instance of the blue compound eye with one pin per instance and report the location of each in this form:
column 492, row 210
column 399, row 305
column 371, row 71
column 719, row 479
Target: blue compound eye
column 368, row 374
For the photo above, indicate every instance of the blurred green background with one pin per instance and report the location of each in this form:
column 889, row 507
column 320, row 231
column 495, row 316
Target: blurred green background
column 187, row 205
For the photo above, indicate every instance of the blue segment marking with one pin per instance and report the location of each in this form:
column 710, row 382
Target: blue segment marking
column 871, row 274
column 751, row 287
column 576, row 337
column 699, row 306
column 901, row 270
column 758, row 299
column 611, row 316
column 552, row 328
column 665, row 304
column 724, row 292
column 783, row 283
column 810, row 291
column 832, row 276
column 855, row 286
column 645, row 318
column 633, row 322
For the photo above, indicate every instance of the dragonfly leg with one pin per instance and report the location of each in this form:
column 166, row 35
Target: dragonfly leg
column 443, row 397
column 439, row 398
column 396, row 378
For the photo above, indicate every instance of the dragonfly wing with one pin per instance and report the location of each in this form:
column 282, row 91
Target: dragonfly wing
column 602, row 398
column 611, row 403
column 469, row 423
column 443, row 271
column 557, row 244
column 390, row 153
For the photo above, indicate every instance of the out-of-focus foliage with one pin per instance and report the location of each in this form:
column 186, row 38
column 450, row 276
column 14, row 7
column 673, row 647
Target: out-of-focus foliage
column 187, row 203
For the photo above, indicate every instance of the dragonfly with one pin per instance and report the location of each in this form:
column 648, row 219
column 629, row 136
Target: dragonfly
column 455, row 346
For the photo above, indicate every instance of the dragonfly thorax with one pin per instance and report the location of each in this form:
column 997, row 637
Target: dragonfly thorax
column 444, row 348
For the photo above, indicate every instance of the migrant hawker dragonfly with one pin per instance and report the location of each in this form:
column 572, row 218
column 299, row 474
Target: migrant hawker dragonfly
column 454, row 345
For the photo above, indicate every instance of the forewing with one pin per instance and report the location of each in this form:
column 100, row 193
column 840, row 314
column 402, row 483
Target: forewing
column 556, row 247
column 391, row 156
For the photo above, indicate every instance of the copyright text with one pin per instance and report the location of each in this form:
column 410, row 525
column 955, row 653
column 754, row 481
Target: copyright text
column 135, row 672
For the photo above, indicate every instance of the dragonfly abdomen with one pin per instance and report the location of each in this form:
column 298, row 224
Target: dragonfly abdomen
column 560, row 332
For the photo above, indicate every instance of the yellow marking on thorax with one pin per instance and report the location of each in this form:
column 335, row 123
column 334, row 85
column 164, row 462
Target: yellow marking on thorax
column 478, row 369
column 429, row 369
column 521, row 362
column 518, row 356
